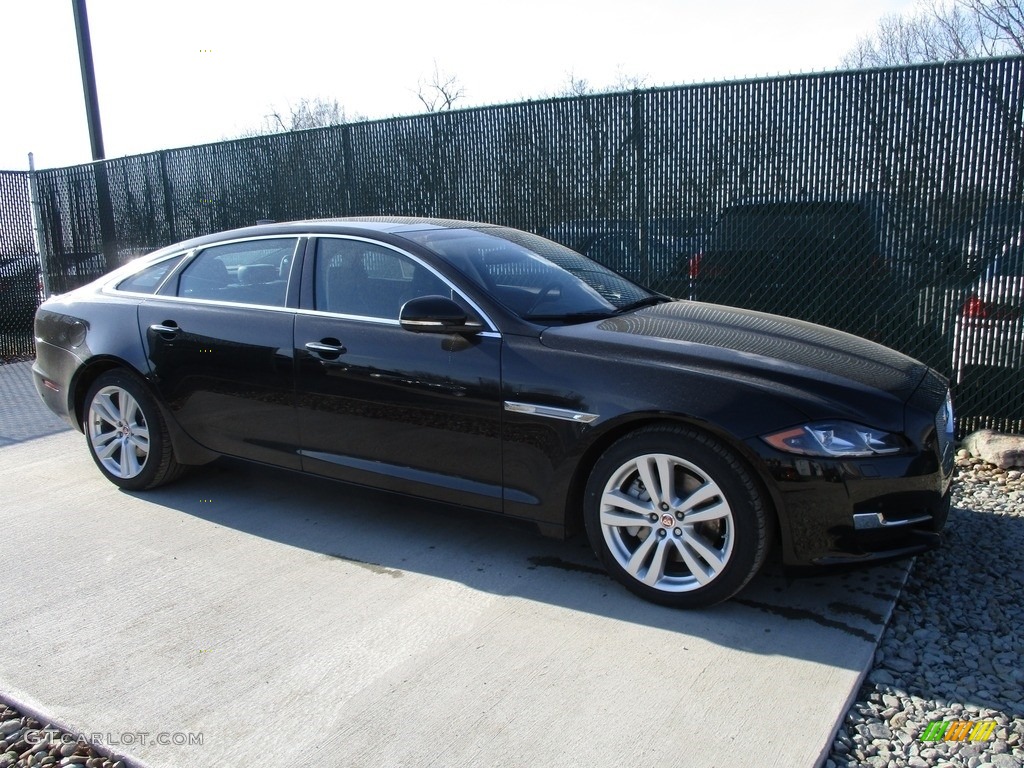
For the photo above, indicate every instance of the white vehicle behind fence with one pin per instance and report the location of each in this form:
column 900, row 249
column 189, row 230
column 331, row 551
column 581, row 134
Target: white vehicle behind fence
column 989, row 330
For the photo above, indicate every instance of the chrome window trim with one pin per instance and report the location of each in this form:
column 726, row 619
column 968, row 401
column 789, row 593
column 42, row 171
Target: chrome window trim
column 369, row 320
column 548, row 411
column 190, row 256
column 249, row 239
column 476, row 308
column 491, row 330
column 357, row 318
column 216, row 303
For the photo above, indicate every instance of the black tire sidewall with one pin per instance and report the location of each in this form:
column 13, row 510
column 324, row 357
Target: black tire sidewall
column 737, row 483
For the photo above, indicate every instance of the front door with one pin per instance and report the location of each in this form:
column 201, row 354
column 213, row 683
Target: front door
column 379, row 405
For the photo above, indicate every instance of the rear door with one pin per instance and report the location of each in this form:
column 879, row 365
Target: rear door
column 219, row 342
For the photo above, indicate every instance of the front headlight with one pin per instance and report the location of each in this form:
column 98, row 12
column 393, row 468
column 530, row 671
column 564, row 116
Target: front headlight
column 835, row 438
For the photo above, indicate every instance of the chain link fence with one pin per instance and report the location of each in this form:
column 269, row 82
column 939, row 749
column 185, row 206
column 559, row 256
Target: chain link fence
column 888, row 203
column 20, row 276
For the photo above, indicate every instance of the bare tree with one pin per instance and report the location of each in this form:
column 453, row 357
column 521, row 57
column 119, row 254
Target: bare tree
column 943, row 30
column 440, row 91
column 1001, row 23
column 305, row 113
column 574, row 86
column 580, row 86
column 627, row 82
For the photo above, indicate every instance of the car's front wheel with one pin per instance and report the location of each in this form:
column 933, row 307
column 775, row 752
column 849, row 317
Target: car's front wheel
column 676, row 517
column 126, row 433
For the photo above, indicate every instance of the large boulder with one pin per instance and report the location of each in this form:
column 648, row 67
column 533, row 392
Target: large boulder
column 1004, row 451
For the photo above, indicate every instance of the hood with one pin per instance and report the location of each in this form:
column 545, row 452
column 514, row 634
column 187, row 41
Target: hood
column 710, row 336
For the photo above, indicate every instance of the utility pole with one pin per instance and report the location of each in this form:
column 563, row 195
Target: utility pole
column 92, row 105
column 92, row 114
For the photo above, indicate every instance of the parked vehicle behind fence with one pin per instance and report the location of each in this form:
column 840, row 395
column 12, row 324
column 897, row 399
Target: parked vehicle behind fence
column 669, row 244
column 989, row 332
column 847, row 264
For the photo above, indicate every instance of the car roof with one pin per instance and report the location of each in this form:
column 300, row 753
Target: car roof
column 353, row 225
column 347, row 225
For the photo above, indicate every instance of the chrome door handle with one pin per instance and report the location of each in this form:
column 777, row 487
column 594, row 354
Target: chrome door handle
column 166, row 330
column 325, row 349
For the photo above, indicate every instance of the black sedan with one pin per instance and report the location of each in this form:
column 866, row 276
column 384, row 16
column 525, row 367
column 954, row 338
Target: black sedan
column 491, row 368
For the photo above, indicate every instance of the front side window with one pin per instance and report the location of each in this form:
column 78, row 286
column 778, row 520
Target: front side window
column 354, row 277
column 251, row 272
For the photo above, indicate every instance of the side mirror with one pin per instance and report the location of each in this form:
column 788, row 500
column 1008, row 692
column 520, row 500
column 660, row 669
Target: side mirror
column 436, row 314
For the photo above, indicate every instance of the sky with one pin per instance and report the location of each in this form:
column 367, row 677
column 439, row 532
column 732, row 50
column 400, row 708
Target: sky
column 172, row 74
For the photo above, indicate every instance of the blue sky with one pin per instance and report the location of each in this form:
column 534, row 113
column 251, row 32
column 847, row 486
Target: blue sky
column 189, row 72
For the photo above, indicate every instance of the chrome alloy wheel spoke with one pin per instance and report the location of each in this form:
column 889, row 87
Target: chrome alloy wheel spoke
column 667, row 523
column 103, row 407
column 118, row 432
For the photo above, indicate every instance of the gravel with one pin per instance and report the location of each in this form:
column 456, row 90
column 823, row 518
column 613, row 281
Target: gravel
column 952, row 651
column 24, row 741
column 953, row 648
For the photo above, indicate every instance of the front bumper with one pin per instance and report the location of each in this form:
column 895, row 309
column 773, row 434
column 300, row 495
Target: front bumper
column 858, row 510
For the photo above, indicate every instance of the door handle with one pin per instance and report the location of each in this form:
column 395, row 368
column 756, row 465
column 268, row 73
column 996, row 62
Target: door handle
column 167, row 328
column 329, row 348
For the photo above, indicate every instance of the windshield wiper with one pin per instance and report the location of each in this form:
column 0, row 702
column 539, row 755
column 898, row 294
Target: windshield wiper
column 646, row 302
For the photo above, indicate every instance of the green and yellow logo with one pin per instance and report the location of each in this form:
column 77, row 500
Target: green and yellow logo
column 958, row 730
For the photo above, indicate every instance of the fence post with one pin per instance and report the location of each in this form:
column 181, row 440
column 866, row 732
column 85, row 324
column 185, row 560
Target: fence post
column 37, row 225
column 349, row 167
column 108, row 231
column 643, row 206
column 168, row 197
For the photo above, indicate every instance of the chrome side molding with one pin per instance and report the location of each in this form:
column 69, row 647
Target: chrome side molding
column 580, row 417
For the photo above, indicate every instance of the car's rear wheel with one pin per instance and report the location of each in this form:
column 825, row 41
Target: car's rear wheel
column 676, row 517
column 126, row 433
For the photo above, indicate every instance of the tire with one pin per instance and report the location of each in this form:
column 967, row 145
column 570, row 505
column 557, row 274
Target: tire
column 126, row 433
column 702, row 536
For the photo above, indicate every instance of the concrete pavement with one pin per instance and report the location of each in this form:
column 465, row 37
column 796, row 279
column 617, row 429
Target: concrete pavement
column 272, row 619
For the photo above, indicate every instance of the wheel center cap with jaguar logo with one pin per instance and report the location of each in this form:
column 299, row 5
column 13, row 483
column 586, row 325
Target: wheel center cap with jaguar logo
column 667, row 520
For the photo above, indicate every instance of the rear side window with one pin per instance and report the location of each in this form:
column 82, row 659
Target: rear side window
column 148, row 280
column 251, row 272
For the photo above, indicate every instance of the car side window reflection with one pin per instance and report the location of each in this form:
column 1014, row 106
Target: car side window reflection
column 253, row 272
column 359, row 278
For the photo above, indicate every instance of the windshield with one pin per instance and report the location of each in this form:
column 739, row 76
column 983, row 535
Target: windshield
column 533, row 277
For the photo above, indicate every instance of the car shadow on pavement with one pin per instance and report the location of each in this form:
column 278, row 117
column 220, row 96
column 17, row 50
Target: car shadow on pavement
column 833, row 618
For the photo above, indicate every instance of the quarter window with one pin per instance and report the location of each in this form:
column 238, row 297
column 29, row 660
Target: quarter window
column 149, row 279
column 359, row 278
column 252, row 272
